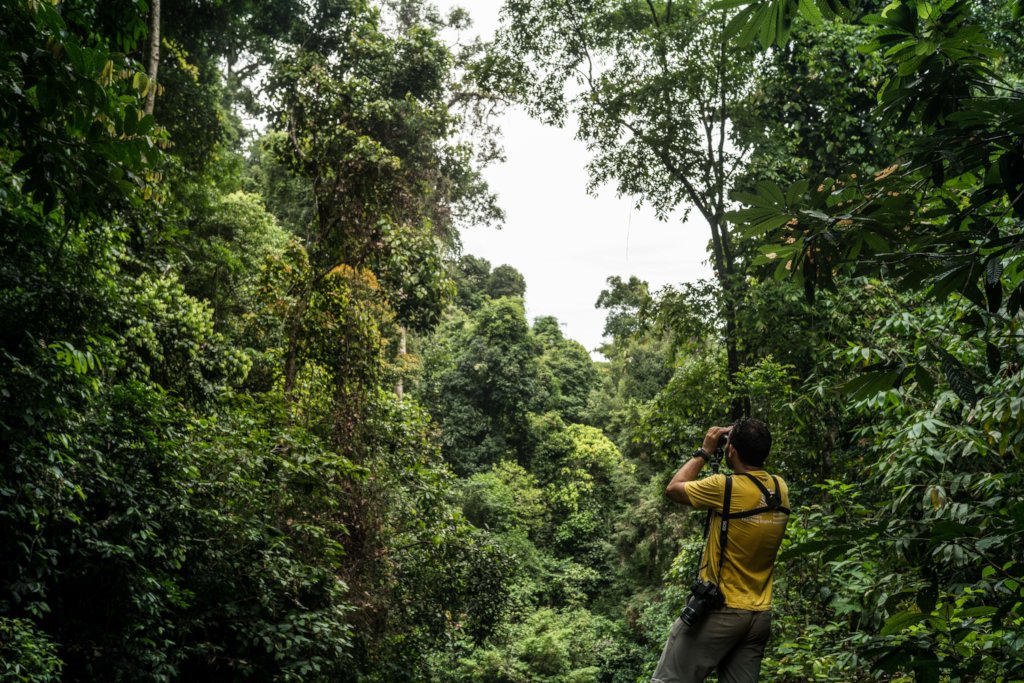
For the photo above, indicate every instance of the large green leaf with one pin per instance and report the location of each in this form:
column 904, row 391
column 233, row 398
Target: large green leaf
column 902, row 621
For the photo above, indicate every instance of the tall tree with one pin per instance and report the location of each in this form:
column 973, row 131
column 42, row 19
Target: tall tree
column 653, row 88
column 365, row 119
column 154, row 54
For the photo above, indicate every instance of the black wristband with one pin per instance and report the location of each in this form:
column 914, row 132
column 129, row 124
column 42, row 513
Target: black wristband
column 701, row 453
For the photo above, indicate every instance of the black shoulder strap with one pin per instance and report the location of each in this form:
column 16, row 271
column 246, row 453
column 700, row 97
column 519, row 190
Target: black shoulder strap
column 773, row 500
column 723, row 530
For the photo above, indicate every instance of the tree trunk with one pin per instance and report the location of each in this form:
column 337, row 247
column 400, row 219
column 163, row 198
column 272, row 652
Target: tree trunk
column 291, row 359
column 726, row 276
column 740, row 406
column 154, row 54
column 399, row 388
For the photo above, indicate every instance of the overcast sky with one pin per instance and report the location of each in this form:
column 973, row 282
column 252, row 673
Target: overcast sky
column 564, row 241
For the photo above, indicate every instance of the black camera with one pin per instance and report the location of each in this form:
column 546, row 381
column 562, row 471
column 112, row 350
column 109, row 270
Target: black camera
column 715, row 459
column 723, row 441
column 704, row 597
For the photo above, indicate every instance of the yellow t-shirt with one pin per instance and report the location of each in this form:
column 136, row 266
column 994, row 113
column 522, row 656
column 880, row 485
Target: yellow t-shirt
column 753, row 542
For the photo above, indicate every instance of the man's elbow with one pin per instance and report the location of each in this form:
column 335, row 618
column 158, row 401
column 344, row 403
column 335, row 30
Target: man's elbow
column 676, row 491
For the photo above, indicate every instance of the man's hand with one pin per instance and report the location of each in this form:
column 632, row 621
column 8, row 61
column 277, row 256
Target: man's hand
column 676, row 489
column 712, row 437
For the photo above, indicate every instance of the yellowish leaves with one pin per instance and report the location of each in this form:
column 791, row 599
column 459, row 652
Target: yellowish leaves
column 356, row 276
column 181, row 57
column 885, row 173
column 107, row 75
column 142, row 84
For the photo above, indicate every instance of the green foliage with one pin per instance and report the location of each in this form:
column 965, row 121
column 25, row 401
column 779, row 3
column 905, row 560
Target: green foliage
column 341, row 327
column 188, row 389
column 590, row 480
column 475, row 281
column 549, row 647
column 207, row 475
column 169, row 337
column 435, row 578
column 84, row 159
column 506, row 281
column 640, row 358
column 769, row 22
column 812, row 113
column 191, row 99
column 288, row 197
column 482, row 392
column 948, row 199
column 388, row 160
column 567, row 371
column 229, row 248
column 471, row 274
column 25, row 654
column 505, row 498
column 626, row 303
column 942, row 219
column 414, row 274
column 936, row 488
column 678, row 417
column 273, row 547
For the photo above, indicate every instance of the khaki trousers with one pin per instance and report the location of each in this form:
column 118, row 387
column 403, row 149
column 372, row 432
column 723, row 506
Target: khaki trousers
column 729, row 640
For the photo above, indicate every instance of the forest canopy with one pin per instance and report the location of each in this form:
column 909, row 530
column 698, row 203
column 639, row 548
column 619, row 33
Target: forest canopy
column 263, row 419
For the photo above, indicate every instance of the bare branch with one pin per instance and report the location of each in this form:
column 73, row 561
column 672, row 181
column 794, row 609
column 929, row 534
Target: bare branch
column 654, row 13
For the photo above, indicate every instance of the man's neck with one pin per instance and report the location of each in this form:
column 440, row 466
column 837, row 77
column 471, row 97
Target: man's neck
column 740, row 468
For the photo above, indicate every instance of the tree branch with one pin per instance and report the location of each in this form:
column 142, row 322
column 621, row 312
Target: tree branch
column 691, row 192
column 654, row 14
column 461, row 96
column 720, row 161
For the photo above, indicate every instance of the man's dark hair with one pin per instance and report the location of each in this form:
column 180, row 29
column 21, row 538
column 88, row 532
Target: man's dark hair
column 752, row 441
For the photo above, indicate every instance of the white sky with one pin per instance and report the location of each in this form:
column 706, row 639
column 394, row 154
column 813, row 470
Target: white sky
column 564, row 241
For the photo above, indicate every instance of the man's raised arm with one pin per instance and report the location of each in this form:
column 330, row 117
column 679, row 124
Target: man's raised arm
column 676, row 490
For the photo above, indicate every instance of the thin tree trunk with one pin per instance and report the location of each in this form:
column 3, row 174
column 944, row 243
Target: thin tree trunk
column 725, row 274
column 399, row 388
column 154, row 53
column 711, row 204
column 291, row 360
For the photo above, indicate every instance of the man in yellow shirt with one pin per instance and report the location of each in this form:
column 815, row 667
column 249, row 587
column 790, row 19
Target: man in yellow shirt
column 732, row 636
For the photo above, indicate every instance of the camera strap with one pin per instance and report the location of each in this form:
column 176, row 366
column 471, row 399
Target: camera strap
column 723, row 530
